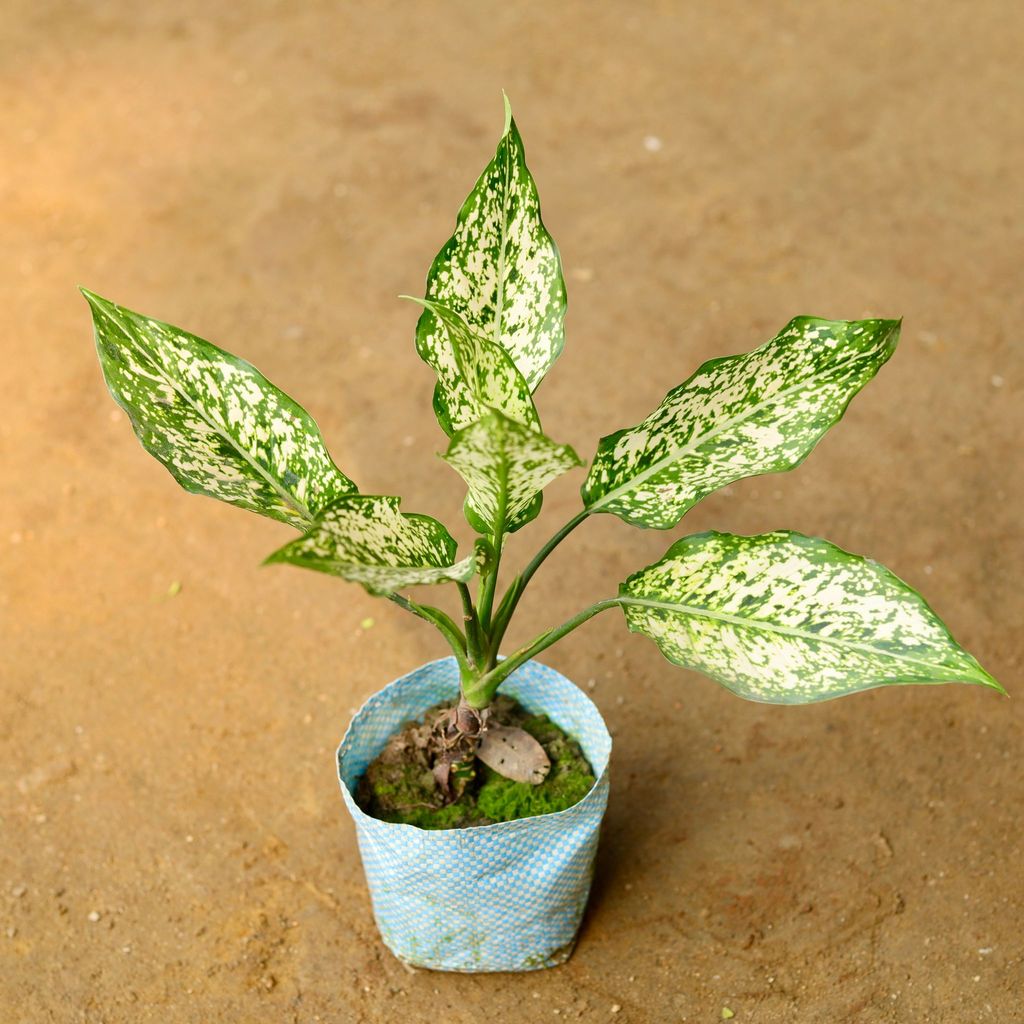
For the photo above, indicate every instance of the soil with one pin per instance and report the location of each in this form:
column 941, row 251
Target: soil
column 400, row 785
column 271, row 175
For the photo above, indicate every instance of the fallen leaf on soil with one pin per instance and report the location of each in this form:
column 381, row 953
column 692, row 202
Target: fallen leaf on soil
column 515, row 754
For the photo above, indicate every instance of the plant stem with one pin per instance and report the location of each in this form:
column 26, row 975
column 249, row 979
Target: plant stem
column 474, row 641
column 498, row 540
column 445, row 627
column 491, row 580
column 515, row 591
column 480, row 692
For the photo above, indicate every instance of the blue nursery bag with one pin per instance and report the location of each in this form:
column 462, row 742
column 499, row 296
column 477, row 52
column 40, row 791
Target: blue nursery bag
column 502, row 897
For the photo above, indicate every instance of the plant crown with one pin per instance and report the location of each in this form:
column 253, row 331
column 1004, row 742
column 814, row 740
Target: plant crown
column 777, row 617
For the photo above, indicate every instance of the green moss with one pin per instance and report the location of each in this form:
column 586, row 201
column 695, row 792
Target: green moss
column 452, row 816
column 504, row 800
column 568, row 782
column 398, row 785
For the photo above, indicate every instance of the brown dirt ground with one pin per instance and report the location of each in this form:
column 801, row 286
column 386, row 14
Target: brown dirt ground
column 272, row 175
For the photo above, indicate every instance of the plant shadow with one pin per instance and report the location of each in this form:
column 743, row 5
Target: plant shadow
column 641, row 827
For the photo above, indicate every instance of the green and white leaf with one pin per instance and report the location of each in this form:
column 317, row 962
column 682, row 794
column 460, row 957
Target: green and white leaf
column 474, row 375
column 218, row 425
column 365, row 539
column 500, row 270
column 485, row 555
column 789, row 619
column 506, row 466
column 737, row 416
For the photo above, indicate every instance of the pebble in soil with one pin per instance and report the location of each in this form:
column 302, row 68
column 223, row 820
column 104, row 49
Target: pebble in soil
column 399, row 784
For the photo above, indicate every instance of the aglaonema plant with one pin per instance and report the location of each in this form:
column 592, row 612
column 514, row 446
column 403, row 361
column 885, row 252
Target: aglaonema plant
column 778, row 617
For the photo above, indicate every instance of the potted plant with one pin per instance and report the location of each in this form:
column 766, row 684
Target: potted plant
column 477, row 783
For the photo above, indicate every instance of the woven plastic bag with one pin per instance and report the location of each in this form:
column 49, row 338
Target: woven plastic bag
column 502, row 897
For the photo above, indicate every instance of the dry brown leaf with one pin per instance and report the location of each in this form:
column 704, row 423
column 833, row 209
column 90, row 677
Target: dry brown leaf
column 515, row 754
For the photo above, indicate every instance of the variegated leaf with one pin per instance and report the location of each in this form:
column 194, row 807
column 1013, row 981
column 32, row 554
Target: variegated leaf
column 501, row 271
column 789, row 619
column 738, row 416
column 474, row 375
column 486, row 556
column 218, row 425
column 365, row 539
column 506, row 465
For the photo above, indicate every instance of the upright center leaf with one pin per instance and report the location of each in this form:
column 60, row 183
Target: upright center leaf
column 474, row 376
column 506, row 465
column 500, row 271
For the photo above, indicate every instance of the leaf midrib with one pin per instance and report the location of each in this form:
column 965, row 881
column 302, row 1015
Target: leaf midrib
column 680, row 453
column 499, row 310
column 317, row 561
column 769, row 627
column 501, row 513
column 291, row 499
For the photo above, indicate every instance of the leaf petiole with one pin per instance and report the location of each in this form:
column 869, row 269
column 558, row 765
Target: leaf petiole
column 490, row 581
column 509, row 602
column 479, row 693
column 474, row 640
column 445, row 626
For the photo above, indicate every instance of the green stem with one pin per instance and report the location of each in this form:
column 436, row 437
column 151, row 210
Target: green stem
column 474, row 641
column 497, row 540
column 491, row 580
column 445, row 626
column 479, row 693
column 515, row 591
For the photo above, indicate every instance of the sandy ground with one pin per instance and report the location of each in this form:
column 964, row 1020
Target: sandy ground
column 272, row 175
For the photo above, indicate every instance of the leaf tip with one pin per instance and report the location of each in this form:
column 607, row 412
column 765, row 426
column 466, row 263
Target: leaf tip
column 419, row 302
column 274, row 558
column 992, row 683
column 887, row 333
column 508, row 112
column 94, row 300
